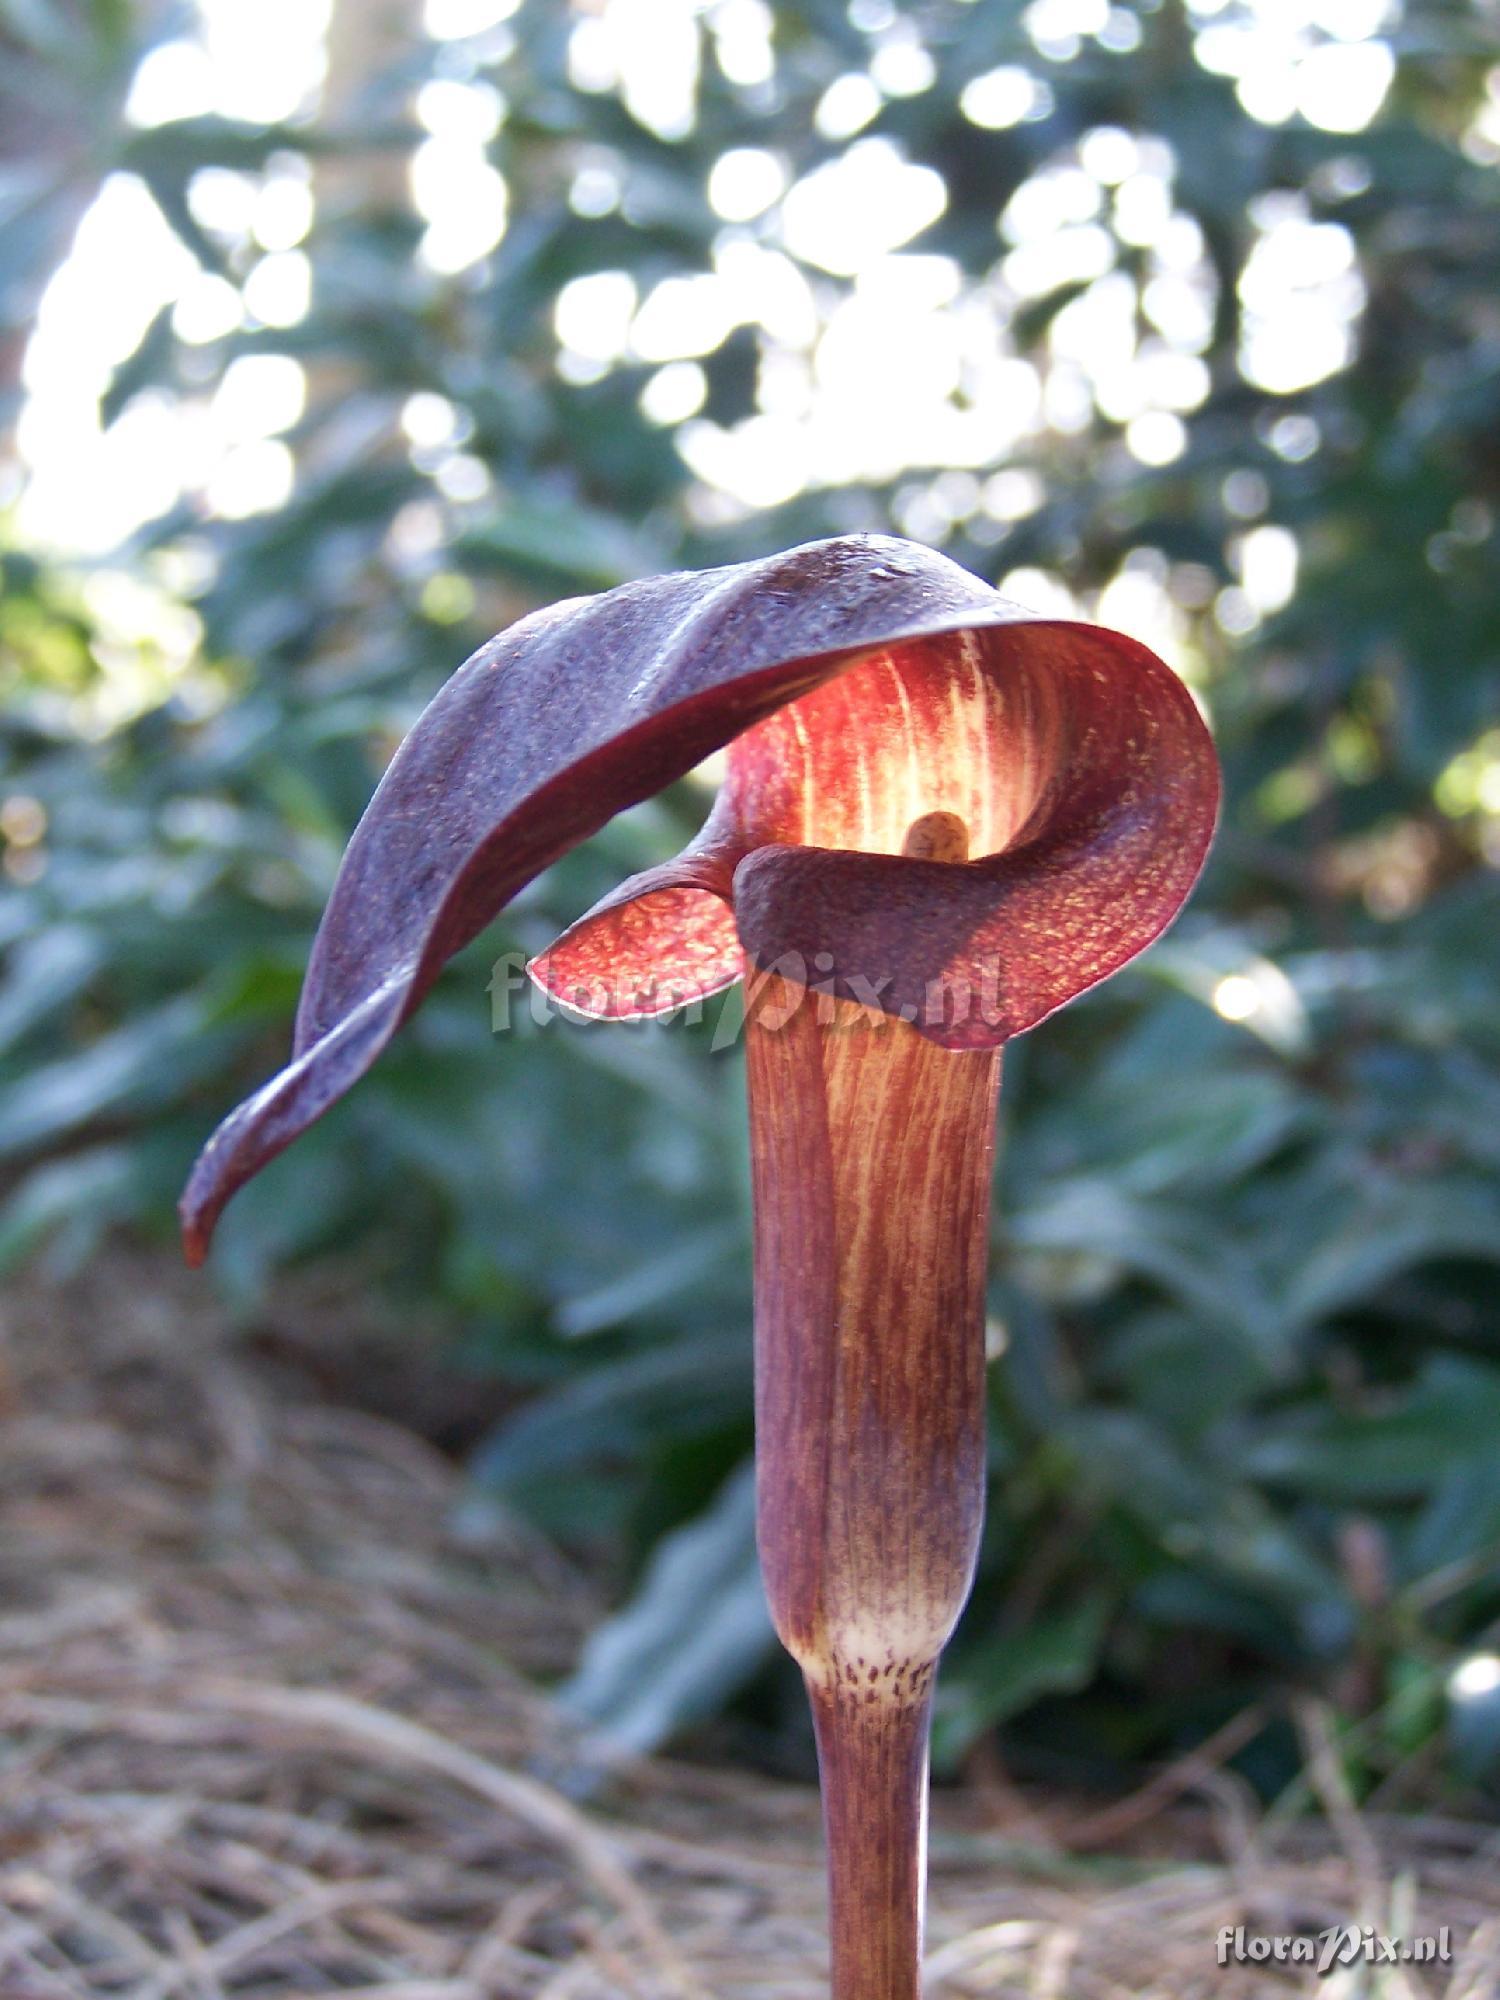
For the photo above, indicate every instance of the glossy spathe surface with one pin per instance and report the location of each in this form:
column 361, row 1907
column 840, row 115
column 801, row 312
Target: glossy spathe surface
column 1095, row 763
column 1077, row 765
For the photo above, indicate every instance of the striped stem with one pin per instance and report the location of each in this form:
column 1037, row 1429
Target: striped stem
column 871, row 1153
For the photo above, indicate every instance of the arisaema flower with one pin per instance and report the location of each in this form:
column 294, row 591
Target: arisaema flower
column 942, row 818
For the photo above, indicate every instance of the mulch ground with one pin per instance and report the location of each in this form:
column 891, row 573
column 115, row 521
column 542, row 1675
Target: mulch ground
column 271, row 1728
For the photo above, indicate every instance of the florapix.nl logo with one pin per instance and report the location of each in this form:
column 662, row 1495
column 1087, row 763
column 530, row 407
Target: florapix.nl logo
column 1328, row 1950
column 777, row 993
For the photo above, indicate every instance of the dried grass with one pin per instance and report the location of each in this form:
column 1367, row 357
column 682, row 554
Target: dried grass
column 268, row 1731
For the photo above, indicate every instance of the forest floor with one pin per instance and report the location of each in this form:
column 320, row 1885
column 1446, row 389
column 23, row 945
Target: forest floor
column 270, row 1729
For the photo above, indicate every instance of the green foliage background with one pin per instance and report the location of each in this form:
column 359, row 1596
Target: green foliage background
column 1246, row 1412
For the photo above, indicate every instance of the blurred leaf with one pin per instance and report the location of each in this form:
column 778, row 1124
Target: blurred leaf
column 1188, row 1257
column 666, row 1275
column 147, row 1063
column 88, row 1191
column 559, row 548
column 141, row 370
column 1461, row 1520
column 1006, row 1673
column 1390, row 1230
column 694, row 1632
column 1399, row 1447
column 43, row 975
column 612, row 1406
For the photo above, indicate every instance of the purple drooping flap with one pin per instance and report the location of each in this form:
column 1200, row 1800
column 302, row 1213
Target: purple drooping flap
column 545, row 734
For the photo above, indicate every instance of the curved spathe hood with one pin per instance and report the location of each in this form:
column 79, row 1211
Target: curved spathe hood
column 592, row 705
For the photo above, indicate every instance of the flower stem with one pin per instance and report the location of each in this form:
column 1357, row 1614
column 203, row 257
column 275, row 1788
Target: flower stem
column 872, row 1763
column 871, row 1153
